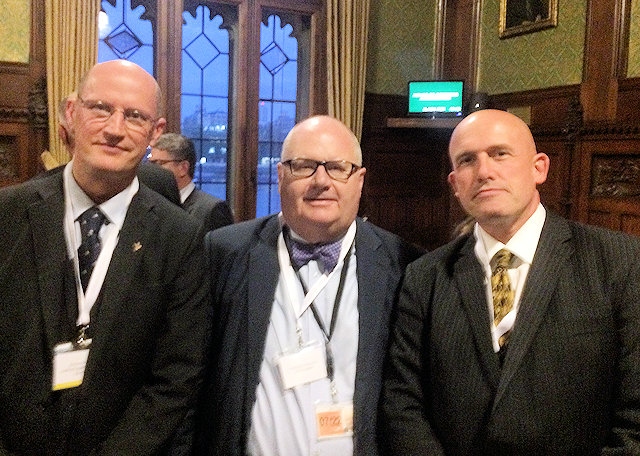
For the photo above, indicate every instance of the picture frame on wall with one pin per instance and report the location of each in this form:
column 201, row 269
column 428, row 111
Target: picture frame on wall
column 518, row 17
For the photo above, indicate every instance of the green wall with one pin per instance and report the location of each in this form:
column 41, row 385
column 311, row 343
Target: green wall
column 546, row 58
column 15, row 31
column 401, row 44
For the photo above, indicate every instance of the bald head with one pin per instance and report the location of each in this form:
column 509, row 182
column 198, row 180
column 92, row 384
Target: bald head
column 321, row 128
column 123, row 70
column 493, row 120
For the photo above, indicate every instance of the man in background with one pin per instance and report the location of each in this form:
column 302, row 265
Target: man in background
column 177, row 153
column 302, row 301
column 522, row 336
column 103, row 295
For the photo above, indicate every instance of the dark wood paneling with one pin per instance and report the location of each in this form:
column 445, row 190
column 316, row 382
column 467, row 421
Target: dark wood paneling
column 23, row 108
column 628, row 101
column 14, row 153
column 551, row 108
column 610, row 181
column 555, row 193
column 405, row 187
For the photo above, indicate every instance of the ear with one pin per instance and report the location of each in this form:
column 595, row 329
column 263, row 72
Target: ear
column 69, row 109
column 451, row 178
column 360, row 176
column 157, row 130
column 541, row 167
column 281, row 171
column 184, row 167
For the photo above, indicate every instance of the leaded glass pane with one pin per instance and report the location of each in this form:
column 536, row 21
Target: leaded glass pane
column 123, row 34
column 277, row 109
column 205, row 96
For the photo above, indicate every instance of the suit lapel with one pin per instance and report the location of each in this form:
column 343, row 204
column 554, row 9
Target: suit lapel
column 552, row 252
column 373, row 269
column 47, row 223
column 264, row 272
column 135, row 234
column 469, row 276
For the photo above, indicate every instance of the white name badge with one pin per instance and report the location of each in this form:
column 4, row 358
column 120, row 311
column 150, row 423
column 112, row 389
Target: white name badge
column 334, row 420
column 304, row 366
column 69, row 363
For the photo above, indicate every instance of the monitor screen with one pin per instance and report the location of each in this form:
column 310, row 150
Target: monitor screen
column 435, row 98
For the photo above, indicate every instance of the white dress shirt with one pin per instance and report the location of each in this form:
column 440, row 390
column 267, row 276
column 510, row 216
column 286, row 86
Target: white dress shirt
column 523, row 245
column 283, row 421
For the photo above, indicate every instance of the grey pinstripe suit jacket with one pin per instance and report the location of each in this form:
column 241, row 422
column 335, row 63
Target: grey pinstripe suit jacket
column 570, row 382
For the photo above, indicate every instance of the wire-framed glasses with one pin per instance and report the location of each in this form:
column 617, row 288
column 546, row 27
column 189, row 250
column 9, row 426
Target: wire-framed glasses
column 134, row 118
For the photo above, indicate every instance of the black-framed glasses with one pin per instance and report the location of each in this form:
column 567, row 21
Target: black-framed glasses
column 134, row 119
column 159, row 161
column 340, row 170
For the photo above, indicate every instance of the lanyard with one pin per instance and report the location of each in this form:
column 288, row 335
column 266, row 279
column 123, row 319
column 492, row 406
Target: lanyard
column 334, row 313
column 86, row 299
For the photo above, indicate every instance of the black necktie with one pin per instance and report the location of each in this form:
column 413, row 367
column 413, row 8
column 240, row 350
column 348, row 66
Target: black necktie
column 326, row 254
column 90, row 222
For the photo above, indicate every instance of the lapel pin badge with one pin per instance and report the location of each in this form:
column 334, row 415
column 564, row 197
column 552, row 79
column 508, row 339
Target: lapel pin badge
column 136, row 246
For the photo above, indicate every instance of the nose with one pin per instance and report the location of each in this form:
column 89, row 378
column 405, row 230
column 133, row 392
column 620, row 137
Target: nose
column 115, row 122
column 484, row 168
column 321, row 176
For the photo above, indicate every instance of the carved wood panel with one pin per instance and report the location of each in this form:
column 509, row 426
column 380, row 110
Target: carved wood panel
column 14, row 152
column 610, row 182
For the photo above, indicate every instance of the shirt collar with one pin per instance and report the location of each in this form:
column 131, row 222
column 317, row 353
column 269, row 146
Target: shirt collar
column 523, row 243
column 115, row 208
column 186, row 191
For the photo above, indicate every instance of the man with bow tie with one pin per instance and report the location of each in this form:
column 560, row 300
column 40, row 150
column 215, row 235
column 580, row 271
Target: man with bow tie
column 302, row 304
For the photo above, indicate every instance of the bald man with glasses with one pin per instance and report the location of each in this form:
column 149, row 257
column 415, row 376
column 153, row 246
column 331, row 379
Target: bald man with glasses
column 103, row 291
column 302, row 304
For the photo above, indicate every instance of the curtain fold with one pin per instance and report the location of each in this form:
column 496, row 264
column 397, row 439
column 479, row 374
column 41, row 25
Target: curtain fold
column 71, row 28
column 347, row 29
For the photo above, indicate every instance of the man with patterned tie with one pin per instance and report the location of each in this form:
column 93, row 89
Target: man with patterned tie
column 522, row 336
column 302, row 304
column 103, row 291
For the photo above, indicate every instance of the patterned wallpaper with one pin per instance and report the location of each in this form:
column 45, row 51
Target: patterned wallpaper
column 400, row 46
column 633, row 65
column 546, row 58
column 15, row 31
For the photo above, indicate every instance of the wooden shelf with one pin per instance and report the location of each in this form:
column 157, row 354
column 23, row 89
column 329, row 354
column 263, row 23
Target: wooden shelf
column 421, row 122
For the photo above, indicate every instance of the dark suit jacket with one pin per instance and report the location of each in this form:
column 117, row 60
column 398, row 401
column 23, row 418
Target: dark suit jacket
column 149, row 325
column 570, row 382
column 161, row 180
column 212, row 211
column 245, row 274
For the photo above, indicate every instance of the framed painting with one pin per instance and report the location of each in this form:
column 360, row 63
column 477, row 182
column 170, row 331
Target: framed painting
column 518, row 17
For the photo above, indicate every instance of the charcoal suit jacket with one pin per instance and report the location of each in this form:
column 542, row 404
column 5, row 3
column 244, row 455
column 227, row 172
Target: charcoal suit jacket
column 570, row 381
column 212, row 211
column 149, row 328
column 245, row 267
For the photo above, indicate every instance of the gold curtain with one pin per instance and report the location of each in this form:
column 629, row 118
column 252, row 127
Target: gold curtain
column 72, row 49
column 347, row 27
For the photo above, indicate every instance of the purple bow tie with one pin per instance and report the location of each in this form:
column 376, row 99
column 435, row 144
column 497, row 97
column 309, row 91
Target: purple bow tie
column 327, row 254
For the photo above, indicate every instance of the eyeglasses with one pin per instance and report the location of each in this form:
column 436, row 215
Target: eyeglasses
column 340, row 170
column 161, row 162
column 134, row 119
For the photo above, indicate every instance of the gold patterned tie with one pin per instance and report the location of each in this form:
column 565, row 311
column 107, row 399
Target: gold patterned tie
column 501, row 289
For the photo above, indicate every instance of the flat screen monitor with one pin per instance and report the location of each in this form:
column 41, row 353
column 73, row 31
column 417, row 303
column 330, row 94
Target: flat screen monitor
column 435, row 98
